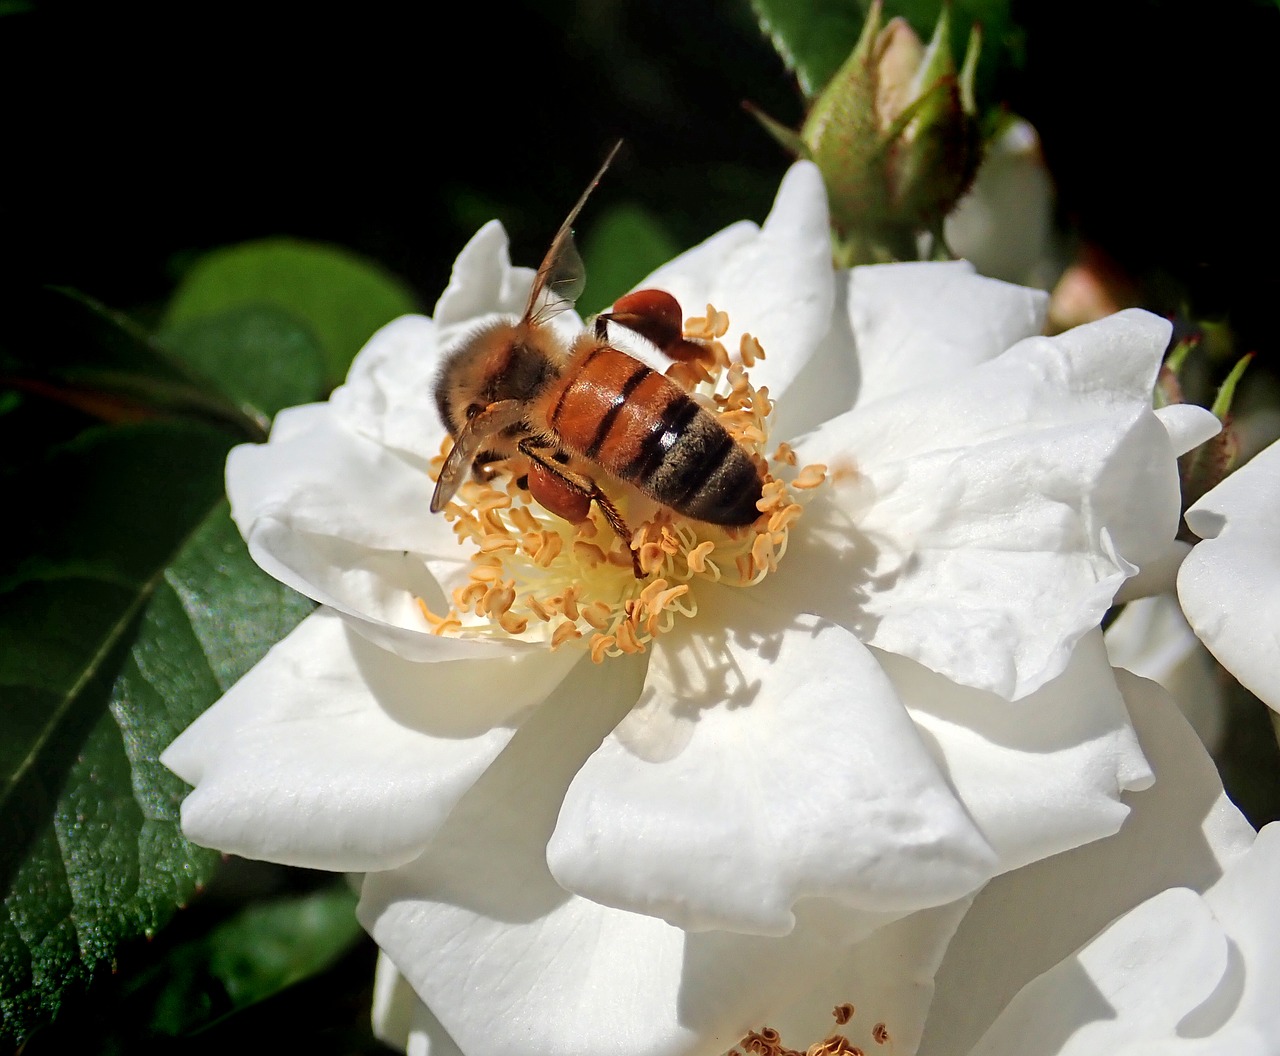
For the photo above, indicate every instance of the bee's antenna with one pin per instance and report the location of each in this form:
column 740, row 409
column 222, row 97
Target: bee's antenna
column 561, row 269
column 604, row 166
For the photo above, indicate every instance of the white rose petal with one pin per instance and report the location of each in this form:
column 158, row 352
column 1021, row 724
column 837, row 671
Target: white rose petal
column 401, row 1020
column 758, row 769
column 777, row 286
column 991, row 520
column 1152, row 638
column 920, row 324
column 337, row 755
column 1228, row 585
column 389, row 394
column 1039, row 777
column 509, row 961
column 1182, row 832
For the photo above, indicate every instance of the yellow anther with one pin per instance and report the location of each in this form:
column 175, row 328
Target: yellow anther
column 772, row 496
column 494, row 500
column 439, row 624
column 697, row 559
column 620, row 555
column 498, row 543
column 783, row 518
column 449, row 625
column 499, row 599
column 762, row 552
column 651, row 556
column 656, row 587
column 569, row 601
column 465, row 597
column 549, row 546
column 698, row 327
column 523, row 519
column 626, row 639
column 668, row 596
column 597, row 614
column 600, row 644
column 811, row 476
column 588, row 553
column 566, row 632
column 749, row 350
column 513, row 624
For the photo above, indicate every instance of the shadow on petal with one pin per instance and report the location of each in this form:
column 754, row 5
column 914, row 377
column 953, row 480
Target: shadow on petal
column 533, row 771
column 461, row 698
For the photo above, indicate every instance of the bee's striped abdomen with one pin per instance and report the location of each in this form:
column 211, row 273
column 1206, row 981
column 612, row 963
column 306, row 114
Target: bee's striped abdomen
column 643, row 428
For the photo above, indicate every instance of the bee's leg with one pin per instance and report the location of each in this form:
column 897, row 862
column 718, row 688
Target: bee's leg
column 536, row 452
column 619, row 526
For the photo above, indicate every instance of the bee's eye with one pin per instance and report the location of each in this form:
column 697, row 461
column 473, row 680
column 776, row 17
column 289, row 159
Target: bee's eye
column 474, row 409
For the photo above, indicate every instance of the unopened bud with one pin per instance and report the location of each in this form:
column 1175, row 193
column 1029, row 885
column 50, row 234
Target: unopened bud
column 896, row 135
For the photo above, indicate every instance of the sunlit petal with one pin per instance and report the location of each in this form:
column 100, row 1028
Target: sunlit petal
column 761, row 767
column 987, row 523
column 337, row 754
column 777, row 286
column 509, row 961
column 1229, row 583
column 1040, row 776
column 920, row 324
column 1182, row 831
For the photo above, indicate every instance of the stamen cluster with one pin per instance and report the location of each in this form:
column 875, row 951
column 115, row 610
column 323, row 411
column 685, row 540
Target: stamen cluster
column 767, row 1041
column 538, row 577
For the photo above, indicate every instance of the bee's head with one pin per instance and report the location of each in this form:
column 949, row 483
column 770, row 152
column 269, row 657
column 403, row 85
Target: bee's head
column 500, row 360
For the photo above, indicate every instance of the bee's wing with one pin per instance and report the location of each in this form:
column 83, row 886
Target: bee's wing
column 457, row 465
column 561, row 275
column 475, row 434
column 559, row 282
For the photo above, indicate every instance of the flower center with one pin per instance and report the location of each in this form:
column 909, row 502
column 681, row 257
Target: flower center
column 538, row 577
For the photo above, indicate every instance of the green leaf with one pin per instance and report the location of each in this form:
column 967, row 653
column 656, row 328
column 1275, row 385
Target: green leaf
column 812, row 38
column 128, row 604
column 255, row 954
column 340, row 296
column 63, row 346
column 260, row 355
column 268, row 947
column 624, row 245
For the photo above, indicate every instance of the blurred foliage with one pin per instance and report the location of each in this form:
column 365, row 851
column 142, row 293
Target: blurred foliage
column 343, row 298
column 228, row 210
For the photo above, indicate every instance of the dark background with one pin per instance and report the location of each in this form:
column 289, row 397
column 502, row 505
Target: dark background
column 140, row 135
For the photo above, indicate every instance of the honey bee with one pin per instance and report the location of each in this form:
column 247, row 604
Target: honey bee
column 561, row 413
